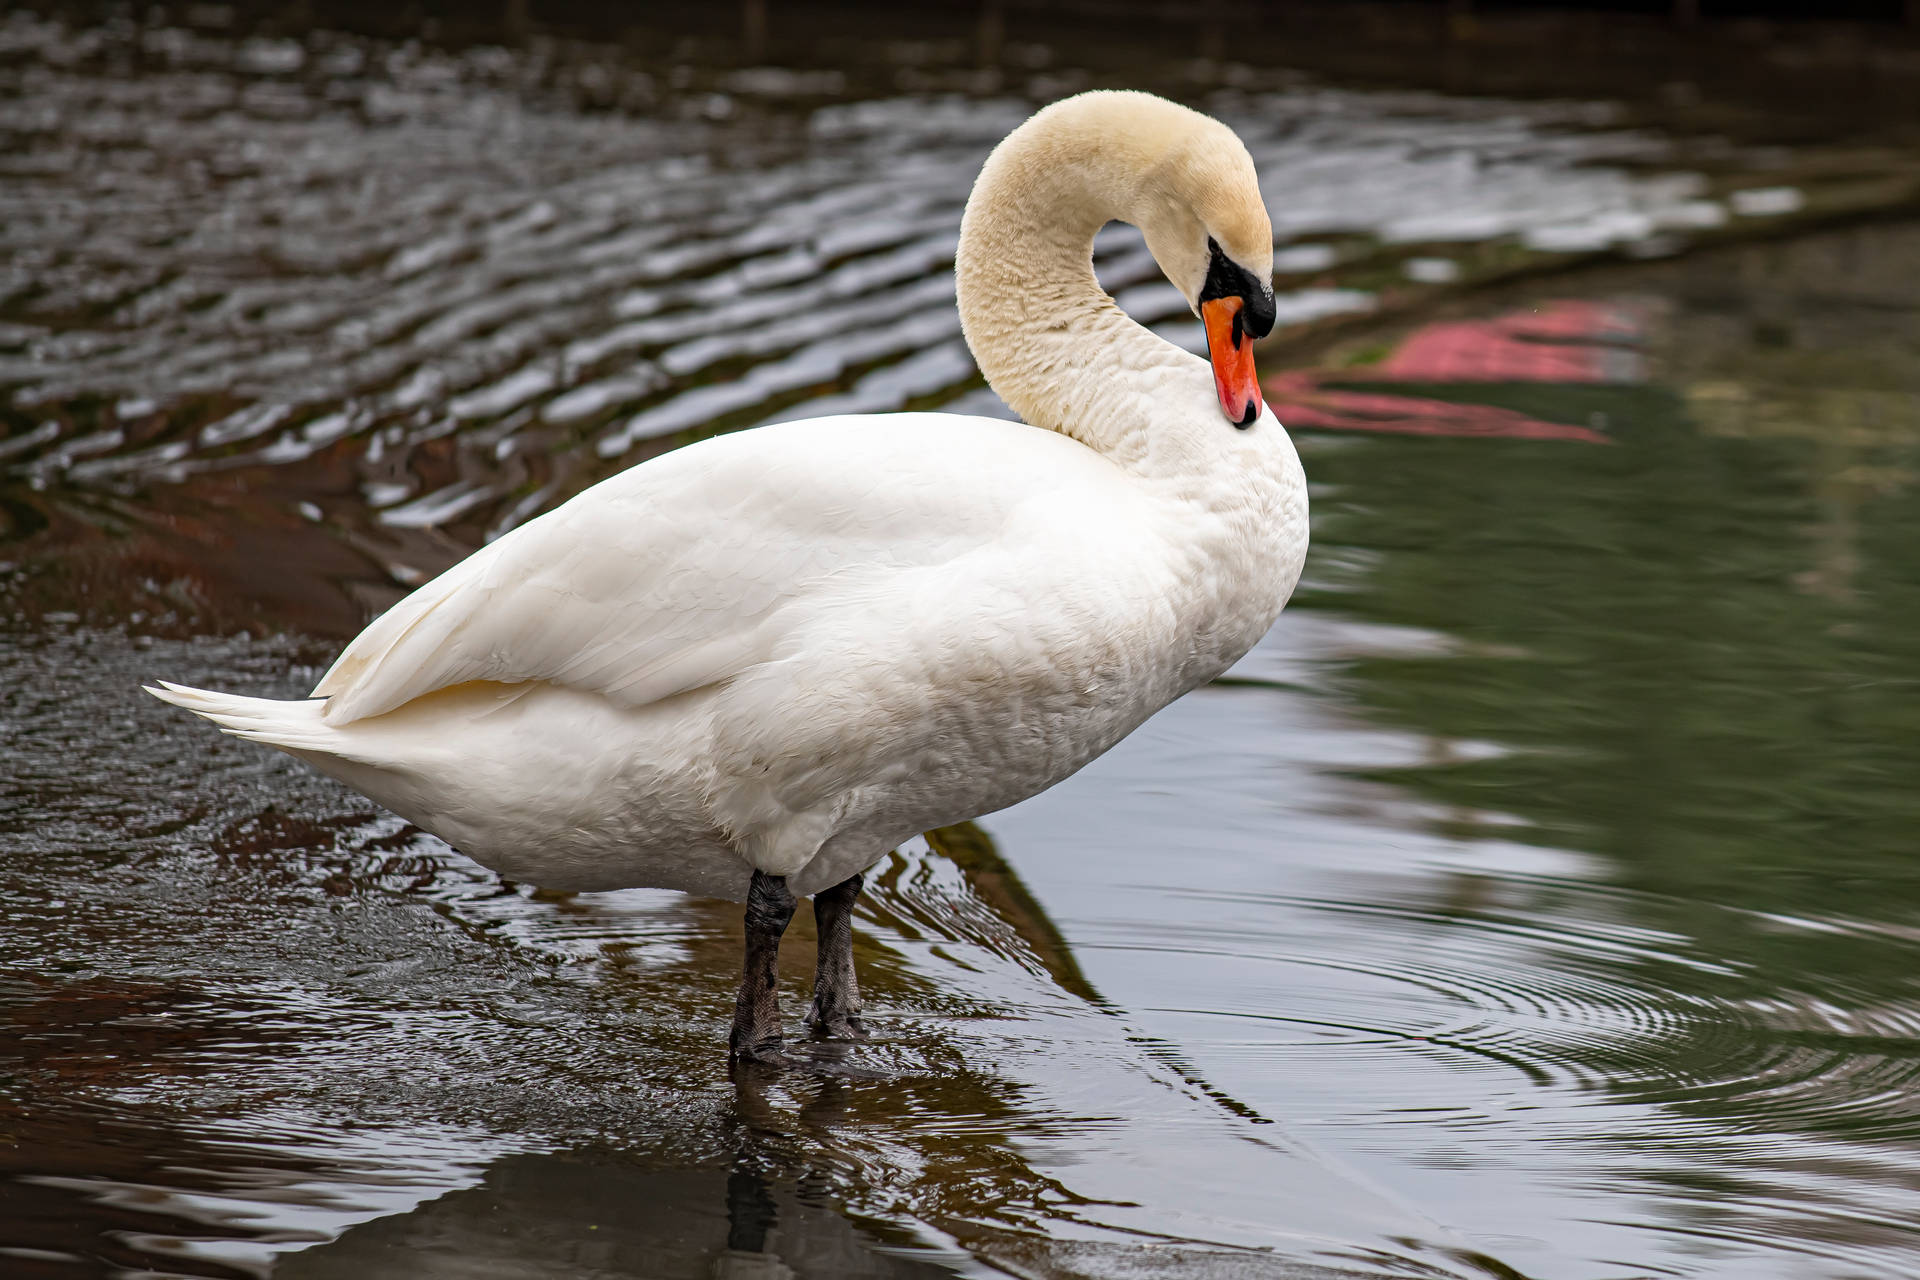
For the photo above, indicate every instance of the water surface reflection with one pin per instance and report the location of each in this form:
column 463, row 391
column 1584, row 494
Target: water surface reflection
column 582, row 1215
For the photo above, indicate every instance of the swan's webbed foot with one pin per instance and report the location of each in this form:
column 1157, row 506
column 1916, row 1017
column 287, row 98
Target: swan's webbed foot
column 773, row 1057
column 756, row 1015
column 830, row 1027
column 835, row 1013
column 829, row 1059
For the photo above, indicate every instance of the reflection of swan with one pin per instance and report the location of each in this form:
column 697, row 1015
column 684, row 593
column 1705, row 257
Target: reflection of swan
column 592, row 1216
column 972, row 850
column 752, row 666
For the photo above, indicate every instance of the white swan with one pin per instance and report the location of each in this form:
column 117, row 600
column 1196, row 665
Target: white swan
column 752, row 666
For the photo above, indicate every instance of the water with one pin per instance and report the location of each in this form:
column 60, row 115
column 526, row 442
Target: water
column 1536, row 899
column 416, row 295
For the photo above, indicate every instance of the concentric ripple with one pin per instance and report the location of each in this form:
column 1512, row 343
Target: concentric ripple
column 1456, row 1012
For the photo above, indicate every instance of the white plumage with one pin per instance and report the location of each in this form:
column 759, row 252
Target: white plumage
column 790, row 648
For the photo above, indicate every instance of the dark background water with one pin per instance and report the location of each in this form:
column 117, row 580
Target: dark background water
column 1536, row 899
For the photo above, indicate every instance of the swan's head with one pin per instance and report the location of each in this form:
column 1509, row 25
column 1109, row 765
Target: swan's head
column 1200, row 210
column 1181, row 177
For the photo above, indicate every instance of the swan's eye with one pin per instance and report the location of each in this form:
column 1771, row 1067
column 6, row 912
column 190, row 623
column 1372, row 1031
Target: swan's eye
column 1236, row 307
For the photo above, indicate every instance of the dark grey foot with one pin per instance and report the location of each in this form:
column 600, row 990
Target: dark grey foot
column 835, row 1013
column 828, row 1026
column 756, row 1016
column 832, row 1059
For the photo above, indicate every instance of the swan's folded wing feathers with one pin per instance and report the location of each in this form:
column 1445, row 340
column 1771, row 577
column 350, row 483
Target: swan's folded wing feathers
column 591, row 602
column 676, row 574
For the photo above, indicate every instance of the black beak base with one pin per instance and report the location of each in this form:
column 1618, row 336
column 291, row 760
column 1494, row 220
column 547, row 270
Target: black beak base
column 1228, row 279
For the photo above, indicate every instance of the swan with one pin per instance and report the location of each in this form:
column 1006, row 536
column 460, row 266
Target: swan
column 752, row 666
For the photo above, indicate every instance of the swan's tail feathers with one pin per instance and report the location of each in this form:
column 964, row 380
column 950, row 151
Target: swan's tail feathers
column 290, row 726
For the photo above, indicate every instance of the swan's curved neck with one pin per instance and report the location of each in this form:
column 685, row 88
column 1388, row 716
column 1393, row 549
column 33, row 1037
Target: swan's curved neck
column 1050, row 341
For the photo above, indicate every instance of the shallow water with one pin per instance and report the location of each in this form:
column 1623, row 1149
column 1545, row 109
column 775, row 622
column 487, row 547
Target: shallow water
column 1536, row 899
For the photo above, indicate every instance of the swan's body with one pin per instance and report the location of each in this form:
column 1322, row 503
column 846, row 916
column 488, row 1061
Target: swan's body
column 786, row 650
column 685, row 674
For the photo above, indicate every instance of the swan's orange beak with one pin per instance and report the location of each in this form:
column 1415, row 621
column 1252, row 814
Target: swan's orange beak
column 1230, row 347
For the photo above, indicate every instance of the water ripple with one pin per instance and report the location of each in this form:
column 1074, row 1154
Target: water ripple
column 259, row 260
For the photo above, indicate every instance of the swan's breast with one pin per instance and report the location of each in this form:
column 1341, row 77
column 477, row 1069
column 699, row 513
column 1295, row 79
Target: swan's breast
column 1237, row 523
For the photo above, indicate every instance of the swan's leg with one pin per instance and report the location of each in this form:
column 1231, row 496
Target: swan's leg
column 756, row 1018
column 836, row 995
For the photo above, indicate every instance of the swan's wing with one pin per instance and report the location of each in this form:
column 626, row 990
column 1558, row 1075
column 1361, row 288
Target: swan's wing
column 683, row 571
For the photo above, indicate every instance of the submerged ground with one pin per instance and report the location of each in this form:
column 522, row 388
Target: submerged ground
column 1538, row 899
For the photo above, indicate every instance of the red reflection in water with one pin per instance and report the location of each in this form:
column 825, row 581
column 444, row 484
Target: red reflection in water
column 1567, row 341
